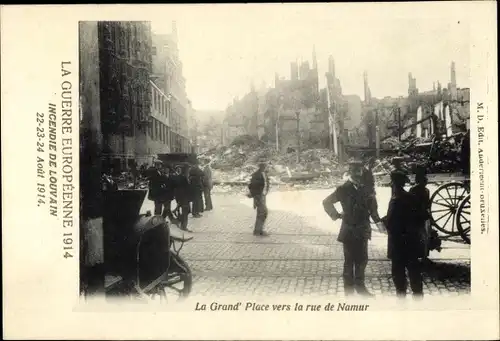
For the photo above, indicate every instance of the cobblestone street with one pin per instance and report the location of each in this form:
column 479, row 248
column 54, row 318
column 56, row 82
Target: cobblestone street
column 301, row 256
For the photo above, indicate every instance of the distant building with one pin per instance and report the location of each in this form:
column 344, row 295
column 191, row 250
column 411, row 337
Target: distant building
column 210, row 131
column 168, row 75
column 192, row 124
column 265, row 113
column 159, row 132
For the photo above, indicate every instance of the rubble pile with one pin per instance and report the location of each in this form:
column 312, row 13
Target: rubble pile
column 232, row 166
column 437, row 156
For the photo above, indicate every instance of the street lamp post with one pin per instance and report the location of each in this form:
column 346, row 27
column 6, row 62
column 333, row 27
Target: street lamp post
column 280, row 107
column 277, row 137
column 297, row 115
column 377, row 134
column 399, row 123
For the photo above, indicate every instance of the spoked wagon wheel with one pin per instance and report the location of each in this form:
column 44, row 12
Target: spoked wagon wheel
column 180, row 277
column 444, row 205
column 463, row 219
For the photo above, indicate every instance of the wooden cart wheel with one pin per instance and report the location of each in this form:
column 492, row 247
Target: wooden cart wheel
column 463, row 219
column 180, row 276
column 444, row 206
column 177, row 283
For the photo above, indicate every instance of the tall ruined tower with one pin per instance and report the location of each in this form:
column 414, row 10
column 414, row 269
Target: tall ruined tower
column 453, row 82
column 453, row 74
column 331, row 66
column 314, row 74
column 315, row 59
column 368, row 95
column 412, row 86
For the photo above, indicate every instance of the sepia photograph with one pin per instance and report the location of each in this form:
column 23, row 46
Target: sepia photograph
column 303, row 171
column 333, row 173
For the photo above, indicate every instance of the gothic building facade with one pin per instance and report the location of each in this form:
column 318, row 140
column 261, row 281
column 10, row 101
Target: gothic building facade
column 125, row 65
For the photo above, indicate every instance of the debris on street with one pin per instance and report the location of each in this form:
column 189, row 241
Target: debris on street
column 233, row 165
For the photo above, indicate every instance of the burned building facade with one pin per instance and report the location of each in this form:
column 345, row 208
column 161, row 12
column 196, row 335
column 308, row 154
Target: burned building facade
column 440, row 111
column 286, row 114
column 125, row 65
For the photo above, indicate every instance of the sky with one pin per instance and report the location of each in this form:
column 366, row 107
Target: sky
column 226, row 48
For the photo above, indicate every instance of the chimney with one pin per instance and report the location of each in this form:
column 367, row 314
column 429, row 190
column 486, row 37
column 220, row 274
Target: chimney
column 331, row 66
column 315, row 60
column 294, row 71
column 366, row 87
column 453, row 74
column 453, row 84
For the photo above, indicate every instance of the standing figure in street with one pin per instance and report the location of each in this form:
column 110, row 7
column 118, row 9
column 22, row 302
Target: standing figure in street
column 168, row 194
column 196, row 180
column 422, row 206
column 156, row 186
column 258, row 189
column 207, row 187
column 404, row 247
column 183, row 196
column 465, row 153
column 355, row 230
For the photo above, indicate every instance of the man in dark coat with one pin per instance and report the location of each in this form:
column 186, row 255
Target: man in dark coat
column 422, row 207
column 183, row 196
column 167, row 194
column 156, row 186
column 465, row 153
column 258, row 189
column 404, row 246
column 355, row 230
column 196, row 180
column 207, row 186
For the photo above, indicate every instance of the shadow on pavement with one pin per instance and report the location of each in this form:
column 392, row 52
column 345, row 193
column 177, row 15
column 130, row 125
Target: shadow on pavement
column 448, row 271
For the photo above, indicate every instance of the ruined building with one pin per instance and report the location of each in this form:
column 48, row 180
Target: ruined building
column 449, row 108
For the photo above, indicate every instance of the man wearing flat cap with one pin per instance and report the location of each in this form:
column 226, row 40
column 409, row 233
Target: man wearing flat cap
column 258, row 188
column 355, row 230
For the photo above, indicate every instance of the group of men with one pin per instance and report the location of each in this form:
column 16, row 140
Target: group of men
column 406, row 224
column 188, row 185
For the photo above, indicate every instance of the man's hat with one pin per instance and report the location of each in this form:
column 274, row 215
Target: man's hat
column 420, row 173
column 398, row 178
